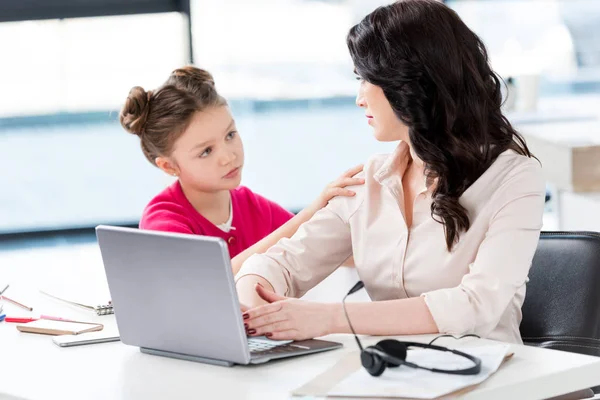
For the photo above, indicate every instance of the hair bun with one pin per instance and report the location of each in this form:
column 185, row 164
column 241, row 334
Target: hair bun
column 191, row 77
column 135, row 111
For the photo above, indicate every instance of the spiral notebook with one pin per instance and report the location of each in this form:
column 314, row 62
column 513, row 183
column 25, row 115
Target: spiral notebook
column 105, row 309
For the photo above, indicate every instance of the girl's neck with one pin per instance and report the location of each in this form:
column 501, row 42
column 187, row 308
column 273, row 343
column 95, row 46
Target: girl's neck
column 214, row 206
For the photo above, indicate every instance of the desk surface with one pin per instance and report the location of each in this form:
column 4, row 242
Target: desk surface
column 32, row 367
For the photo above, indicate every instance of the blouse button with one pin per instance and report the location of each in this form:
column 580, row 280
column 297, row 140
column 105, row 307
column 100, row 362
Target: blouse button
column 231, row 240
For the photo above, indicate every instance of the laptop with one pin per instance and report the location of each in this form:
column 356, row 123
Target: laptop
column 174, row 295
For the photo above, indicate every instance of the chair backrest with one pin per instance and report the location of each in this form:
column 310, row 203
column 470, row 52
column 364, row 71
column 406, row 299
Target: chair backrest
column 562, row 304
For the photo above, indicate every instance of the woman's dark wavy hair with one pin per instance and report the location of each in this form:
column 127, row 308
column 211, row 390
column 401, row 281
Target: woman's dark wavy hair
column 435, row 73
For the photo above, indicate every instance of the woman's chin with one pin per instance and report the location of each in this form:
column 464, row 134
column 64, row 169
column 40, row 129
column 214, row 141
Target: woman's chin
column 382, row 136
column 386, row 136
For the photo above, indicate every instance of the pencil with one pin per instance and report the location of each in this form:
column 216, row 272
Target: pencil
column 16, row 303
column 4, row 290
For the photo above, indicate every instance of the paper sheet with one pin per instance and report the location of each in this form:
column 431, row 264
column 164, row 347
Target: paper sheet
column 421, row 384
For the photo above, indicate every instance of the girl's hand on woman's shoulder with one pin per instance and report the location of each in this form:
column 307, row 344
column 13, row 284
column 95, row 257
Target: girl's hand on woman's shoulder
column 338, row 188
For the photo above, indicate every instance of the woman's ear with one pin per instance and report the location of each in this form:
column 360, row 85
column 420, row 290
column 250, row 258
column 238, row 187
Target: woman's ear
column 167, row 165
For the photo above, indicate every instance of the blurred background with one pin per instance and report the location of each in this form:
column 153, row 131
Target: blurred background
column 67, row 67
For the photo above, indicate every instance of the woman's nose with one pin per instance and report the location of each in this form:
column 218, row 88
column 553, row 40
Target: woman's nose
column 360, row 100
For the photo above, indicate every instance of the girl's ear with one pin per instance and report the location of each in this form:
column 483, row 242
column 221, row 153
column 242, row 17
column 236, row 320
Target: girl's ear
column 167, row 165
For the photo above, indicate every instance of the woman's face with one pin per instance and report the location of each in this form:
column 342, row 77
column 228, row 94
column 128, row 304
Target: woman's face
column 387, row 127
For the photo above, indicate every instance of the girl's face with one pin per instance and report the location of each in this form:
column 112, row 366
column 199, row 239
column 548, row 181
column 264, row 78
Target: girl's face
column 209, row 155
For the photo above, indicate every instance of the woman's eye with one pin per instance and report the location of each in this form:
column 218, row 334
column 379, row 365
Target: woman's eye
column 206, row 152
column 230, row 135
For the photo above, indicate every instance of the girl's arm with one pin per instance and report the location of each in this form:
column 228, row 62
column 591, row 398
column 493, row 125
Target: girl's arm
column 336, row 188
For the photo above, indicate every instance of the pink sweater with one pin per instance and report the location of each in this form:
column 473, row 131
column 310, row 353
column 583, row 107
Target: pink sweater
column 254, row 217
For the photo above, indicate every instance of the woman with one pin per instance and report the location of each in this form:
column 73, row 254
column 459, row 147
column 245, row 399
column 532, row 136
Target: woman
column 444, row 230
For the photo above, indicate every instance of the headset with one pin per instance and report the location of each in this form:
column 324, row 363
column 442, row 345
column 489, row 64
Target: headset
column 392, row 353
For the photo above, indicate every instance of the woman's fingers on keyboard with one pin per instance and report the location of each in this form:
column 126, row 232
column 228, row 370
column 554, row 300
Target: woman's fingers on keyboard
column 259, row 323
column 290, row 334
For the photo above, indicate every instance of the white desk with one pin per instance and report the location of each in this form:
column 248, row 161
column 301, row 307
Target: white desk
column 32, row 367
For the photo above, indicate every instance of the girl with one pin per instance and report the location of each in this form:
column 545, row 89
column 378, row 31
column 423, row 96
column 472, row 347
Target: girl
column 445, row 228
column 186, row 129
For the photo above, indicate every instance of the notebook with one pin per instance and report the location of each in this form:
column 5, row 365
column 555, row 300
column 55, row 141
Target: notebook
column 105, row 309
column 49, row 327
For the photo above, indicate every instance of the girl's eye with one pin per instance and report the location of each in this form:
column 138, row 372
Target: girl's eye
column 230, row 135
column 206, row 152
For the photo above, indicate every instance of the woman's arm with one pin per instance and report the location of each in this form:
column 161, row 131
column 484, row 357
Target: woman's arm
column 287, row 318
column 400, row 317
column 287, row 230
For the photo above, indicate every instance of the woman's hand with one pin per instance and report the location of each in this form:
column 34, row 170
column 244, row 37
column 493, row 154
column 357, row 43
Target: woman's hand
column 287, row 318
column 337, row 188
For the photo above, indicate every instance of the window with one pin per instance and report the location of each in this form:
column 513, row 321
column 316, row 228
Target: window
column 282, row 64
column 67, row 161
column 559, row 40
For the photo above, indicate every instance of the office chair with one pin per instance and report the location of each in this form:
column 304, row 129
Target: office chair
column 562, row 303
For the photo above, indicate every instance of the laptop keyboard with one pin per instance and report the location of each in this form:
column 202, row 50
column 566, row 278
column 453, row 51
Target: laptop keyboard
column 260, row 346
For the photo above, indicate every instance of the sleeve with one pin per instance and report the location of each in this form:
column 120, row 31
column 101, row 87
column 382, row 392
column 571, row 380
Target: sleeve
column 502, row 262
column 295, row 265
column 166, row 220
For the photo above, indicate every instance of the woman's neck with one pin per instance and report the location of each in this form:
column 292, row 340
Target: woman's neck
column 214, row 206
column 415, row 160
column 416, row 170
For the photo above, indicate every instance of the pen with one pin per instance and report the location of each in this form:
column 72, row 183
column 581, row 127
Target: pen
column 19, row 320
column 31, row 319
column 16, row 303
column 4, row 290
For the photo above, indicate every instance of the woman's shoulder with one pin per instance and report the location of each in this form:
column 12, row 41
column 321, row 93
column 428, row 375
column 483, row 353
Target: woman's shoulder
column 511, row 166
column 346, row 207
column 510, row 176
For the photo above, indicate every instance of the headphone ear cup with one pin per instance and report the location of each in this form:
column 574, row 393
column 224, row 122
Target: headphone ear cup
column 374, row 364
column 394, row 348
